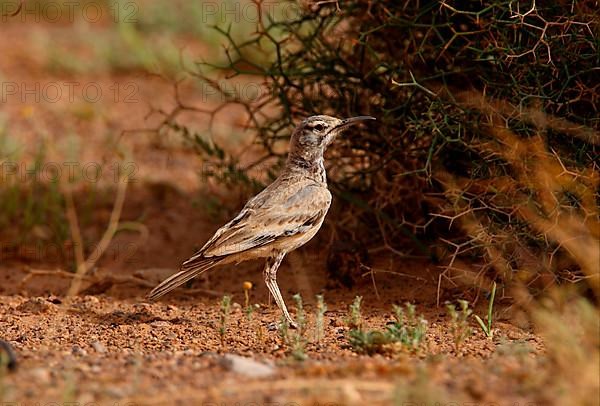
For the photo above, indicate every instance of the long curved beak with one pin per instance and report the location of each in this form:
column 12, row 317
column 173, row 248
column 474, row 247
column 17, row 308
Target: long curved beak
column 347, row 122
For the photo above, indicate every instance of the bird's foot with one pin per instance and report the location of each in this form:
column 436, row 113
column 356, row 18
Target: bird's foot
column 275, row 326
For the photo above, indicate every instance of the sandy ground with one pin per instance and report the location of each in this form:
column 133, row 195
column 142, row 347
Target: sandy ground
column 105, row 350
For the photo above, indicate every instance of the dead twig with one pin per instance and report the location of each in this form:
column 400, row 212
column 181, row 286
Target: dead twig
column 104, row 279
column 84, row 265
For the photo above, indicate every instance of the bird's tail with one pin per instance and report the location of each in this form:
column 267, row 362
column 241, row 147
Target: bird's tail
column 186, row 273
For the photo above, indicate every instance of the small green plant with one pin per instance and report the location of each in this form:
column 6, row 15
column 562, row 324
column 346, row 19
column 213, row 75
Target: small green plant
column 300, row 316
column 320, row 319
column 355, row 319
column 284, row 328
column 407, row 331
column 487, row 328
column 459, row 325
column 298, row 340
column 249, row 311
column 295, row 340
column 224, row 319
column 368, row 342
column 260, row 337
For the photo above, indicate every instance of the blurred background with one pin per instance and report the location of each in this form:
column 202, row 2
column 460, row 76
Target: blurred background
column 85, row 88
column 131, row 130
column 483, row 163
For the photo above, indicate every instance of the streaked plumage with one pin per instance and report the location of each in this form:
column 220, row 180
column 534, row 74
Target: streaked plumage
column 281, row 218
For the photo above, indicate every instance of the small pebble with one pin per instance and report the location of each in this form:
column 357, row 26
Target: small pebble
column 115, row 392
column 78, row 351
column 98, row 347
column 40, row 375
column 160, row 324
column 247, row 366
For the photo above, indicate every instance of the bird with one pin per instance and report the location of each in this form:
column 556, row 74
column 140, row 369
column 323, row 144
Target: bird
column 284, row 216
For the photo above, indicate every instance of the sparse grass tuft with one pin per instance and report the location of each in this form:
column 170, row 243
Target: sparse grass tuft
column 459, row 322
column 283, row 328
column 295, row 339
column 32, row 204
column 406, row 332
column 408, row 329
column 369, row 341
column 487, row 328
column 320, row 319
column 355, row 318
column 298, row 340
column 572, row 339
column 225, row 307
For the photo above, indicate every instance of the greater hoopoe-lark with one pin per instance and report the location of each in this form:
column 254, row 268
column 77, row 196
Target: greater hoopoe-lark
column 281, row 218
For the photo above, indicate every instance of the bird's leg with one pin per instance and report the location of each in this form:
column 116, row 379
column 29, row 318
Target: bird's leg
column 270, row 275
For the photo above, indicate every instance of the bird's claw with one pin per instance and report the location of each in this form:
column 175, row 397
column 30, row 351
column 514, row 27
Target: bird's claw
column 275, row 326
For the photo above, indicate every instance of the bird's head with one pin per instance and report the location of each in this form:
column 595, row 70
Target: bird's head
column 314, row 134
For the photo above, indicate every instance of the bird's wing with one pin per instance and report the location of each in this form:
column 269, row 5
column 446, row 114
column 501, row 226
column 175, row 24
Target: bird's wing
column 264, row 221
column 274, row 214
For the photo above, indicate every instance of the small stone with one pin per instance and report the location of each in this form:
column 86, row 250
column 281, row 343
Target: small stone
column 247, row 366
column 115, row 392
column 160, row 324
column 91, row 299
column 78, row 351
column 98, row 347
column 40, row 375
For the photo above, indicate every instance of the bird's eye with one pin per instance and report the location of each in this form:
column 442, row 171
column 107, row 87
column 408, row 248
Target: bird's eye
column 319, row 127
